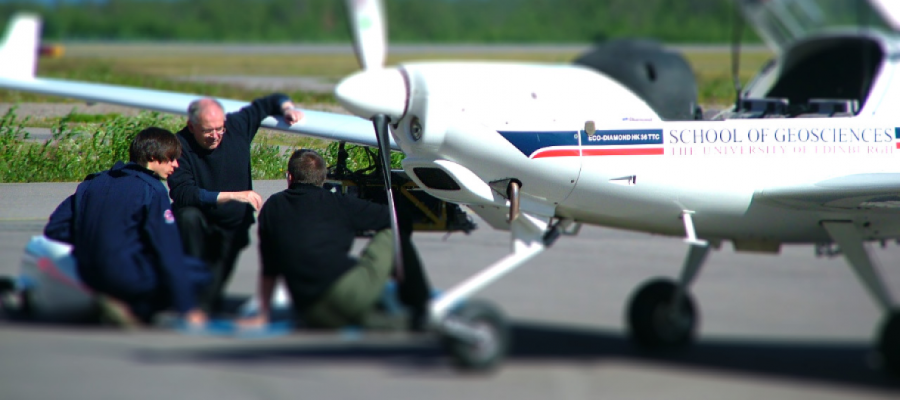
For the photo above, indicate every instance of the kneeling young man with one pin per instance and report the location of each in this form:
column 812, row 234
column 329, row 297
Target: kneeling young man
column 124, row 236
column 305, row 236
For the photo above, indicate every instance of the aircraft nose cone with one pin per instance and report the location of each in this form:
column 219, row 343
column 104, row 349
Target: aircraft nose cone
column 378, row 91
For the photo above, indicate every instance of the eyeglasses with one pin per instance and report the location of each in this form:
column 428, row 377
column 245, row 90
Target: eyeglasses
column 213, row 131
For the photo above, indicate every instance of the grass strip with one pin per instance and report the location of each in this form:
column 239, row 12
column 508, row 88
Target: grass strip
column 80, row 146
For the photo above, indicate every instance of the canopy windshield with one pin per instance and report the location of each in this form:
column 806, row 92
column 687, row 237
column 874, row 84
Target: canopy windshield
column 782, row 22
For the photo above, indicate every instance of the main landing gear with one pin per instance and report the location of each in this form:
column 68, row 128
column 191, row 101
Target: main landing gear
column 847, row 236
column 475, row 333
column 662, row 314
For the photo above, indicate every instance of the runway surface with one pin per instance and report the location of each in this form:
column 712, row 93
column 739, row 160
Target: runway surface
column 787, row 326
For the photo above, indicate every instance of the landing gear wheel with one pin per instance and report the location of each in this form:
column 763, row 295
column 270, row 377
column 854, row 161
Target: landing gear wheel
column 8, row 297
column 7, row 284
column 489, row 346
column 16, row 305
column 653, row 322
column 889, row 343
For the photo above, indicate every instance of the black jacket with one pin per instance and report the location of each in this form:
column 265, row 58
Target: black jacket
column 306, row 234
column 202, row 173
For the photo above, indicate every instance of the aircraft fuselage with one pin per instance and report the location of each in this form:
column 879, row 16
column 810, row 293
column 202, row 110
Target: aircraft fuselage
column 585, row 148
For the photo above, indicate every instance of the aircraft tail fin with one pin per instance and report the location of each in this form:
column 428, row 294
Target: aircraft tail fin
column 19, row 49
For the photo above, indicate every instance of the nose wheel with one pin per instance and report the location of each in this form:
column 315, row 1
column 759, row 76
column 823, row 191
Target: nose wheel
column 658, row 319
column 476, row 336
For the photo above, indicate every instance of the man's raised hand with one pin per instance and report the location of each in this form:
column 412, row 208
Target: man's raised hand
column 247, row 196
column 291, row 115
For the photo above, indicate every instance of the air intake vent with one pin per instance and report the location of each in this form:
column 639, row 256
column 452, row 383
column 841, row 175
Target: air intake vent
column 436, row 178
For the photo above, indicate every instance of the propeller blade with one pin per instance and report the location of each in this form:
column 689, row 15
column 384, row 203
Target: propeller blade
column 384, row 148
column 367, row 22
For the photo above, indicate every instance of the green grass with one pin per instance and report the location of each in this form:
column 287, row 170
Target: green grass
column 74, row 151
column 78, row 148
column 92, row 118
column 713, row 72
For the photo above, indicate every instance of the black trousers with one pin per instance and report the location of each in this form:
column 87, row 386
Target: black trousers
column 217, row 246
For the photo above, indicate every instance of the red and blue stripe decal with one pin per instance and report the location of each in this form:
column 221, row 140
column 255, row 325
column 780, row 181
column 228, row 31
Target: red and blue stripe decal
column 615, row 142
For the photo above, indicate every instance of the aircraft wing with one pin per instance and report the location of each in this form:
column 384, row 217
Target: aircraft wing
column 17, row 65
column 872, row 191
column 320, row 124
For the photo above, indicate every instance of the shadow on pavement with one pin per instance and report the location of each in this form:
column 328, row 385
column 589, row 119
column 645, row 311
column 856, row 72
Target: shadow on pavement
column 841, row 363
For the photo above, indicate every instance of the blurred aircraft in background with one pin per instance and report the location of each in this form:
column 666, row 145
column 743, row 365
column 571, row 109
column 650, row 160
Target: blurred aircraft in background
column 51, row 50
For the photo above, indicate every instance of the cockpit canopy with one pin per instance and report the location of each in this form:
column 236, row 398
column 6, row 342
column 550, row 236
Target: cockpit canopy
column 828, row 56
column 782, row 23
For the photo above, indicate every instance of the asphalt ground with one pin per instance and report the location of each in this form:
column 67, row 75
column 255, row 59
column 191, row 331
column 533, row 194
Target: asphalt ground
column 787, row 326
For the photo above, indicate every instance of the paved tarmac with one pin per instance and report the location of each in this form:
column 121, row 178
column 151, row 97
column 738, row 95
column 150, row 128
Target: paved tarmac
column 788, row 326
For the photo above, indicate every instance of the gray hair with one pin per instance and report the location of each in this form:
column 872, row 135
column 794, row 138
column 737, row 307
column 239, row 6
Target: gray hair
column 197, row 106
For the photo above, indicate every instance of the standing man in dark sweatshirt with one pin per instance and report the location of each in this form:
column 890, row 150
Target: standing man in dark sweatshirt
column 212, row 190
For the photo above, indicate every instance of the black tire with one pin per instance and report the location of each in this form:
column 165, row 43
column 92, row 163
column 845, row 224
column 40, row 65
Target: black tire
column 17, row 306
column 650, row 322
column 889, row 343
column 486, row 355
column 7, row 284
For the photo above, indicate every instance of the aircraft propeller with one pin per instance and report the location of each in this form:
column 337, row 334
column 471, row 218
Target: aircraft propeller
column 369, row 32
column 374, row 91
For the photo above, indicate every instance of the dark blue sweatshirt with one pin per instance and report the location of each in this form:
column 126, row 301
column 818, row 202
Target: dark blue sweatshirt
column 125, row 239
column 202, row 173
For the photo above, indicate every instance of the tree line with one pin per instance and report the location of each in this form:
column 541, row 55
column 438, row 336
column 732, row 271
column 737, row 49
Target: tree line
column 477, row 21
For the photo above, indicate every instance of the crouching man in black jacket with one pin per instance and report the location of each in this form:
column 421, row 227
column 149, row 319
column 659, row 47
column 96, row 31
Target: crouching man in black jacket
column 212, row 192
column 305, row 236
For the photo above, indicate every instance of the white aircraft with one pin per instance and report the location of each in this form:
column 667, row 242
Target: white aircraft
column 808, row 155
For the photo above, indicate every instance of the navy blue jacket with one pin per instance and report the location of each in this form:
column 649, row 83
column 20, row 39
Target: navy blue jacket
column 125, row 238
column 203, row 173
